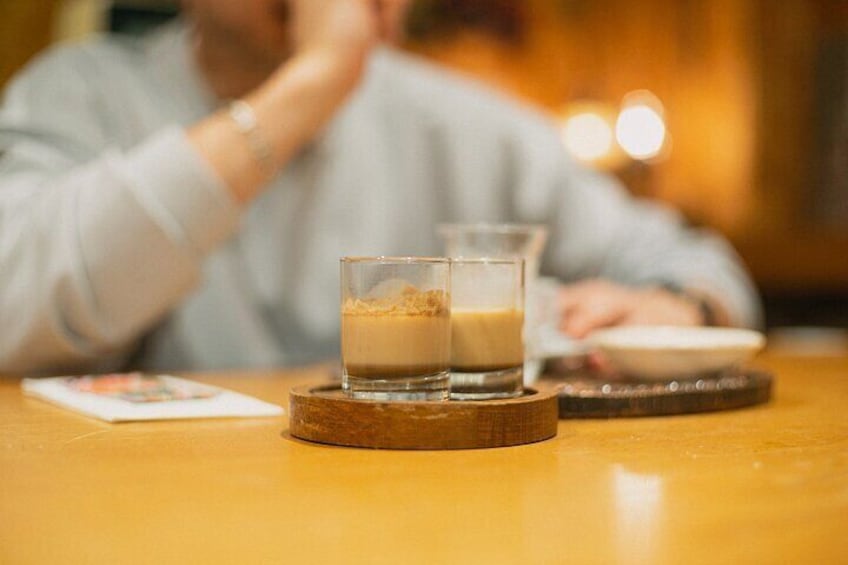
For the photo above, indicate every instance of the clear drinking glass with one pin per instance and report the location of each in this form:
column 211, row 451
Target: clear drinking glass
column 507, row 241
column 395, row 328
column 487, row 320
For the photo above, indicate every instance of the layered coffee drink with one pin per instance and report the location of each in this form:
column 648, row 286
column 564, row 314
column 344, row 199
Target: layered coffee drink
column 396, row 337
column 486, row 340
column 487, row 325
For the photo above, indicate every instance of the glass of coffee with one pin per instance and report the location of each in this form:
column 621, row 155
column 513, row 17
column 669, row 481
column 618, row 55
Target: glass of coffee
column 507, row 241
column 395, row 328
column 487, row 319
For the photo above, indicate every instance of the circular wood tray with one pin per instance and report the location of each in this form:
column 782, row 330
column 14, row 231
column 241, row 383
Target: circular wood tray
column 585, row 396
column 325, row 414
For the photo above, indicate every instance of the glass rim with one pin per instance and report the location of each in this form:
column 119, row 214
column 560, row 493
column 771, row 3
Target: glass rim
column 486, row 227
column 483, row 260
column 394, row 260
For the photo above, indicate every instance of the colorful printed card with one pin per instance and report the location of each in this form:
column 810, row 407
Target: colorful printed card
column 127, row 397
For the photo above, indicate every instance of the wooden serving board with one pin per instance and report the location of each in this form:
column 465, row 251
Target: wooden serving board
column 587, row 396
column 325, row 414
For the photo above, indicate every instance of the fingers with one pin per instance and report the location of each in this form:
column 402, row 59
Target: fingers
column 391, row 17
column 593, row 304
column 655, row 306
column 589, row 317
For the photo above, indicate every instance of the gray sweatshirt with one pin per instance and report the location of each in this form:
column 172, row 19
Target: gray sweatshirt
column 119, row 245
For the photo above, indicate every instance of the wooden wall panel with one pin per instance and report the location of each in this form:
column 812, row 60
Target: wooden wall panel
column 737, row 79
column 25, row 29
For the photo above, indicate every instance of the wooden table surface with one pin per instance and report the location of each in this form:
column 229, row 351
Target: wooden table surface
column 767, row 484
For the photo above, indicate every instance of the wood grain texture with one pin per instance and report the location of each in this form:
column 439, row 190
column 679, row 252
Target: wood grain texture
column 324, row 414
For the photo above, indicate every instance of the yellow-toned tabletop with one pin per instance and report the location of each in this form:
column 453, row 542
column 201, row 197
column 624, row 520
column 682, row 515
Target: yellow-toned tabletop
column 765, row 484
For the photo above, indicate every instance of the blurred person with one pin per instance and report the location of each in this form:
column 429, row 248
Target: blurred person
column 180, row 201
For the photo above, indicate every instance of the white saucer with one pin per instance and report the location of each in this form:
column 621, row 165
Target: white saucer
column 668, row 352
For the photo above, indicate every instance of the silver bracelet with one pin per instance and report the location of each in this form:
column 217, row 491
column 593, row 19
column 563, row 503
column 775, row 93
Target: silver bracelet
column 244, row 117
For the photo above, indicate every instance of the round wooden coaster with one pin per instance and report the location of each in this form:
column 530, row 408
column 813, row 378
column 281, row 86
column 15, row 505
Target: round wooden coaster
column 325, row 414
column 590, row 397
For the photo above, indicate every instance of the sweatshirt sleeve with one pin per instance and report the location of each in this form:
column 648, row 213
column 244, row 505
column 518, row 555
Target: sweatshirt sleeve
column 97, row 244
column 598, row 230
column 641, row 242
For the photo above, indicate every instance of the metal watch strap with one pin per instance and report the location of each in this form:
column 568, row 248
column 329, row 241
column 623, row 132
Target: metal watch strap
column 708, row 313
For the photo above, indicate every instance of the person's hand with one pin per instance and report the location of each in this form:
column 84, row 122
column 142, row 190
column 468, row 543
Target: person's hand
column 332, row 41
column 593, row 304
column 340, row 34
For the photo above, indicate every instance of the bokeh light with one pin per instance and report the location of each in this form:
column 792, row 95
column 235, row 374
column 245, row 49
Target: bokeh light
column 587, row 136
column 640, row 129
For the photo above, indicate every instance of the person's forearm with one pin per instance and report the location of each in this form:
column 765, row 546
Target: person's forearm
column 333, row 42
column 641, row 244
column 290, row 110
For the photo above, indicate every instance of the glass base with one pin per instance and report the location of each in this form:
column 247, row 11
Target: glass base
column 506, row 383
column 435, row 386
column 532, row 370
